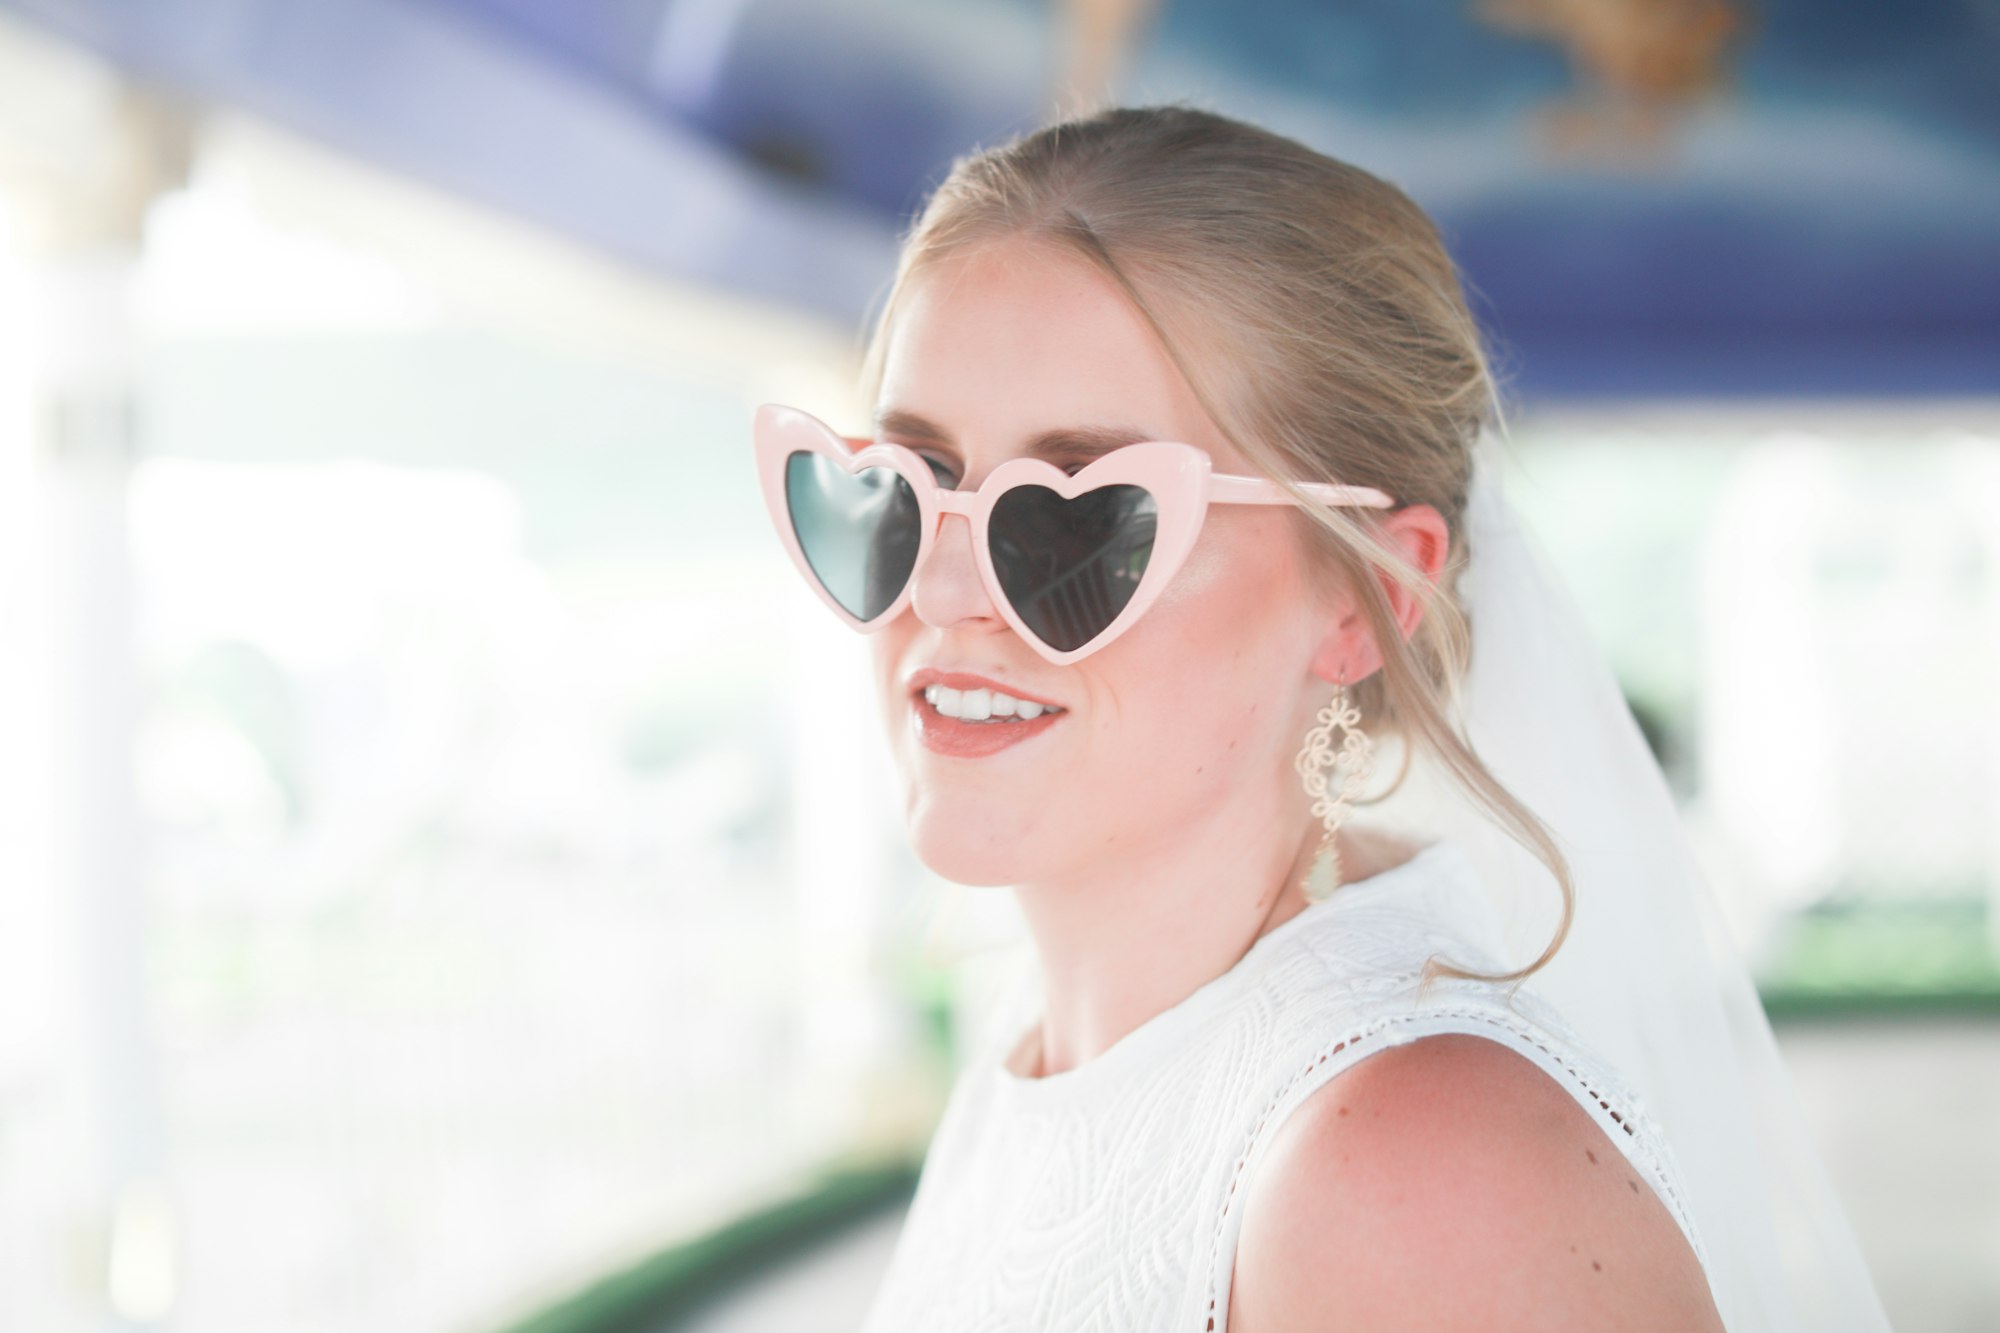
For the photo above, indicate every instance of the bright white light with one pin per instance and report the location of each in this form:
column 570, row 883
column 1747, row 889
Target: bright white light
column 141, row 1272
column 27, row 907
column 314, row 556
column 216, row 265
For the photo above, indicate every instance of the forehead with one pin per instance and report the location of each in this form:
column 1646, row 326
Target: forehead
column 1015, row 338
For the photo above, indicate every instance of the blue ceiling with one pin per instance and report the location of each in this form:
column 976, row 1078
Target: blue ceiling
column 1810, row 206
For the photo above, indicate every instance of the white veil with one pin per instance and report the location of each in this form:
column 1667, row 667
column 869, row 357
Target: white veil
column 1648, row 977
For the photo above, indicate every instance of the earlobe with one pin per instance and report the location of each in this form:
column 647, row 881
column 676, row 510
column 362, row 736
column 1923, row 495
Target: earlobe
column 1346, row 654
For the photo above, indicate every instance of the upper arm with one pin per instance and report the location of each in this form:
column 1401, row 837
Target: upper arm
column 1450, row 1184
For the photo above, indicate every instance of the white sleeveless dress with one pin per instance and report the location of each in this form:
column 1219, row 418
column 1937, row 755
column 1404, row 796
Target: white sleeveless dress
column 1107, row 1197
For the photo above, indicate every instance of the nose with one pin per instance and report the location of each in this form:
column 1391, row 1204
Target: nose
column 947, row 592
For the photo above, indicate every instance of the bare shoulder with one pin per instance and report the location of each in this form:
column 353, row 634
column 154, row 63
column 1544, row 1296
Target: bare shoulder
column 1450, row 1184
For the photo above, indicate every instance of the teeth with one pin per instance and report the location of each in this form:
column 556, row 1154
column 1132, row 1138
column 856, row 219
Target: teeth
column 983, row 705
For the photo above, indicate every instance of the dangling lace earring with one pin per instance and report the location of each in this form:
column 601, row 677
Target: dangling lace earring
column 1315, row 757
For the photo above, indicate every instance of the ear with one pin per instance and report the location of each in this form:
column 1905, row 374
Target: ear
column 1348, row 649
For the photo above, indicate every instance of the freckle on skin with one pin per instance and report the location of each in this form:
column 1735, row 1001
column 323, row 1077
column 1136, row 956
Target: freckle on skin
column 1343, row 1110
column 1596, row 1267
column 1591, row 1155
column 1633, row 1183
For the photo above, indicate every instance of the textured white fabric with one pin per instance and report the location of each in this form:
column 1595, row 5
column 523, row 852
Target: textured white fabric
column 1108, row 1197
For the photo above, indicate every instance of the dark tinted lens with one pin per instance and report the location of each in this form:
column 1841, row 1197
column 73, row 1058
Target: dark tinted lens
column 859, row 531
column 1070, row 566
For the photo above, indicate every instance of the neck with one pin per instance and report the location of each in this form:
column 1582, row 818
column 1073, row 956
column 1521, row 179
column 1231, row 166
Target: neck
column 1137, row 933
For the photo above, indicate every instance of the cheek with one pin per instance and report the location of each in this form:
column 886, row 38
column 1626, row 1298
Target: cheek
column 1236, row 597
column 1204, row 568
column 1243, row 568
column 886, row 648
column 1217, row 662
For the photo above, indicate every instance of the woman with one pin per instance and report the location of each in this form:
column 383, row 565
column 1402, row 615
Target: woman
column 1161, row 535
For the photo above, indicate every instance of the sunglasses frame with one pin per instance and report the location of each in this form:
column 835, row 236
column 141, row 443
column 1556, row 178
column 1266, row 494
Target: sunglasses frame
column 1179, row 477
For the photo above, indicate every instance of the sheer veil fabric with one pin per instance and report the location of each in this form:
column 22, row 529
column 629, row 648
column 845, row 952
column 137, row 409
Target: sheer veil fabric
column 1648, row 976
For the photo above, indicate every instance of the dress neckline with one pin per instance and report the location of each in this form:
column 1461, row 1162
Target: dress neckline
column 1160, row 1034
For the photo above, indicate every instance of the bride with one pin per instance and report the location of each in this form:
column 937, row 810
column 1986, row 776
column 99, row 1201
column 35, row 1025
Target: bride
column 1177, row 515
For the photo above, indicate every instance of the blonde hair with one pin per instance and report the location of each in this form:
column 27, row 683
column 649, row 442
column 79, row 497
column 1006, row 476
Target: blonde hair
column 1313, row 309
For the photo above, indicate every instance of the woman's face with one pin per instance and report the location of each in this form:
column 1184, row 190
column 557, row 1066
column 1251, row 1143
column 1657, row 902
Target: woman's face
column 1196, row 709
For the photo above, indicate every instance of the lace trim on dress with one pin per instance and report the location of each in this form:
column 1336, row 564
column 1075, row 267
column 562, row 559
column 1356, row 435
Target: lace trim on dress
column 1646, row 1143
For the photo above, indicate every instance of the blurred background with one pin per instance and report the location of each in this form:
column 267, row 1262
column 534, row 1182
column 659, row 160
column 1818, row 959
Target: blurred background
column 449, row 877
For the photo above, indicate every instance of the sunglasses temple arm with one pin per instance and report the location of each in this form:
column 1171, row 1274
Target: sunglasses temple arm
column 1225, row 489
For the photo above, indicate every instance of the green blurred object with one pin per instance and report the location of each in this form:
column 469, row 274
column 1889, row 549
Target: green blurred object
column 1858, row 958
column 676, row 1285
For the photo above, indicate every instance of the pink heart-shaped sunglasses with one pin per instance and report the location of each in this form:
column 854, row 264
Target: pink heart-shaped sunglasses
column 1070, row 561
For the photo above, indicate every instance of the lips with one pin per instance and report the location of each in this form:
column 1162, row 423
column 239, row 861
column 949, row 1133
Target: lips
column 952, row 738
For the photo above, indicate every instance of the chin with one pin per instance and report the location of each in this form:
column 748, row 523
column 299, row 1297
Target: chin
column 974, row 853
column 975, row 866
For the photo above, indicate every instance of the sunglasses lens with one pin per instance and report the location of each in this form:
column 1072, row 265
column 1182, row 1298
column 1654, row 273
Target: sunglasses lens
column 1070, row 566
column 859, row 530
